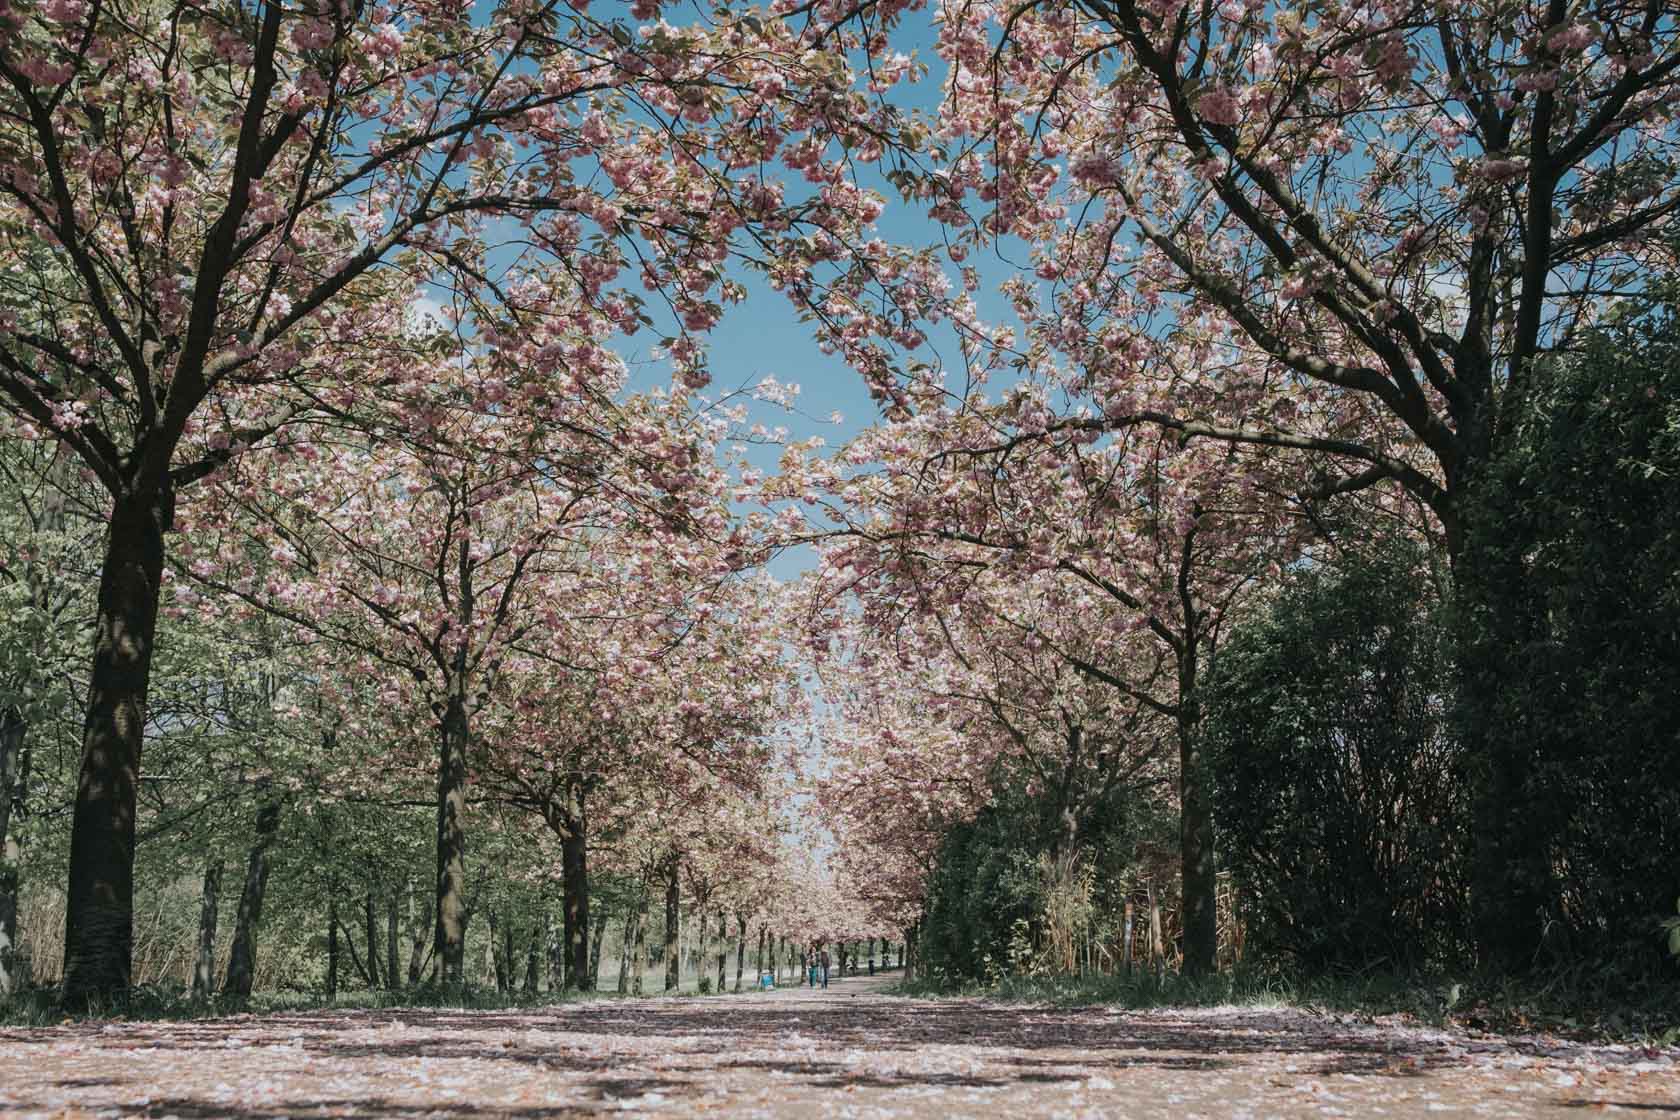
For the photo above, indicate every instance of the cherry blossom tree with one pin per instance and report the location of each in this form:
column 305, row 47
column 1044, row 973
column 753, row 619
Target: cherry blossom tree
column 1348, row 232
column 243, row 201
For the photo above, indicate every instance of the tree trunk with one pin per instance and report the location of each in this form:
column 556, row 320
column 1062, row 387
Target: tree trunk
column 417, row 942
column 595, row 952
column 740, row 947
column 99, row 907
column 332, row 947
column 723, row 949
column 493, row 950
column 204, row 967
column 673, row 930
column 533, row 959
column 391, row 955
column 704, row 944
column 370, row 922
column 638, row 952
column 573, row 826
column 242, row 957
column 505, row 977
column 14, row 777
column 449, row 936
column 629, row 937
column 1195, row 835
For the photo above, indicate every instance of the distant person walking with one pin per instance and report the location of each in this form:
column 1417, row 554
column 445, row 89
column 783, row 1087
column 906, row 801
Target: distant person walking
column 824, row 962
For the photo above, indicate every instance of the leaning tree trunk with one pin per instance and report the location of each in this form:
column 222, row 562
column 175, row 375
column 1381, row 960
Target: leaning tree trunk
column 204, row 967
column 449, row 935
column 99, row 907
column 14, row 776
column 673, row 930
column 242, row 958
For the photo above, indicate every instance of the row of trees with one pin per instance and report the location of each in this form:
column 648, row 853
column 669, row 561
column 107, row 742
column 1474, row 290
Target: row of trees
column 1291, row 269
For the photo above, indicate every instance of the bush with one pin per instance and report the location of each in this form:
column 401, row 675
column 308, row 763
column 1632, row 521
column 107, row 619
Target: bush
column 1339, row 787
column 1570, row 628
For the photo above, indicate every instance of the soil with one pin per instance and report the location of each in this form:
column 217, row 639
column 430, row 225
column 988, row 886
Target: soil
column 850, row 1051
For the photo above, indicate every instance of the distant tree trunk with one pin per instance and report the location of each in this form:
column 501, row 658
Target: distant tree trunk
column 14, row 779
column 332, row 947
column 673, row 930
column 625, row 950
column 638, row 954
column 595, row 951
column 493, row 949
column 533, row 958
column 370, row 922
column 204, row 966
column 704, row 944
column 555, row 948
column 417, row 931
column 391, row 954
column 242, row 957
column 356, row 957
column 723, row 948
column 740, row 947
column 449, row 937
column 507, row 955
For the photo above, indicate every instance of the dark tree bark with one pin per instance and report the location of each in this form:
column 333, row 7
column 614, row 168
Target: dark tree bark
column 14, row 779
column 673, row 928
column 242, row 957
column 505, row 973
column 99, row 909
column 204, row 966
column 570, row 820
column 1195, row 835
column 449, row 935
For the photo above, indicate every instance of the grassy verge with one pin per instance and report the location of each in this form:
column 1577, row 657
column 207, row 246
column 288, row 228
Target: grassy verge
column 1582, row 1006
column 38, row 1007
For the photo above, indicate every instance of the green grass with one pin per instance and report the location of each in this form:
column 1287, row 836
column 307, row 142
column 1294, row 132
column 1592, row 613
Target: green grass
column 40, row 1007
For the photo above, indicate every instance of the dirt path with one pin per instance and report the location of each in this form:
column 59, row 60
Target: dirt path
column 847, row 1052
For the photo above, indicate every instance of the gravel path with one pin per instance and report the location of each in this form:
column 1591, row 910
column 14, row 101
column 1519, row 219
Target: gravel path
column 847, row 1052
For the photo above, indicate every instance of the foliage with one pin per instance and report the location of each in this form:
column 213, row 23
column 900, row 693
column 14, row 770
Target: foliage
column 1341, row 797
column 1570, row 625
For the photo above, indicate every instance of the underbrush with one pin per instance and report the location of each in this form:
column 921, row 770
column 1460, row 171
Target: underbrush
column 1585, row 1005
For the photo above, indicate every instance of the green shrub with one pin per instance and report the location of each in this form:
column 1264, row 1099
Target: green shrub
column 1340, row 791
